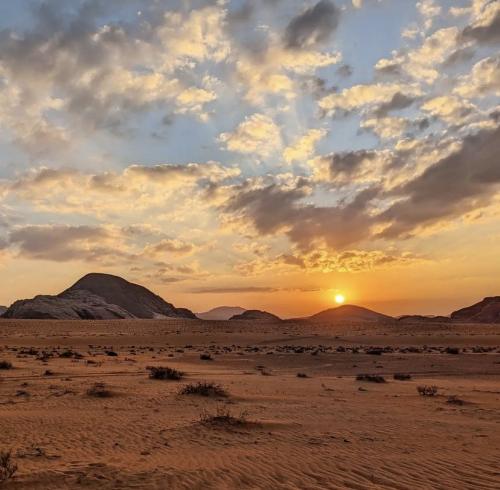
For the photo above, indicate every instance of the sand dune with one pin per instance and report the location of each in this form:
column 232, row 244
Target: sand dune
column 323, row 430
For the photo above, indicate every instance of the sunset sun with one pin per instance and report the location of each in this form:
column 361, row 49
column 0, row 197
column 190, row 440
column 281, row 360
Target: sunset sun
column 339, row 299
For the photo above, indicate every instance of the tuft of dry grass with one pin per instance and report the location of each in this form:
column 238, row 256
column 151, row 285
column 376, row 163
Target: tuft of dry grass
column 7, row 466
column 99, row 390
column 426, row 390
column 204, row 388
column 223, row 418
column 163, row 372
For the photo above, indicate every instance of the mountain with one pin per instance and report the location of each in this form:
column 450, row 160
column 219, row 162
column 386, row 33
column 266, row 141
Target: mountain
column 221, row 313
column 486, row 311
column 350, row 313
column 256, row 315
column 423, row 319
column 98, row 296
column 3, row 309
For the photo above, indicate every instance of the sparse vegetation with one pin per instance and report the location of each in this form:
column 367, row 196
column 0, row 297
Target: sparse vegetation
column 206, row 357
column 223, row 418
column 402, row 376
column 7, row 466
column 70, row 354
column 5, row 365
column 162, row 372
column 302, row 375
column 425, row 390
column 452, row 350
column 204, row 388
column 99, row 390
column 372, row 378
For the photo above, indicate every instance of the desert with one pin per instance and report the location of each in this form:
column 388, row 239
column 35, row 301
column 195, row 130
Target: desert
column 291, row 413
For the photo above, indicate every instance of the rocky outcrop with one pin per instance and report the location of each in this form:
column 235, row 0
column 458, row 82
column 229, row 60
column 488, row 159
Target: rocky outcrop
column 486, row 311
column 350, row 313
column 98, row 297
column 221, row 313
column 256, row 315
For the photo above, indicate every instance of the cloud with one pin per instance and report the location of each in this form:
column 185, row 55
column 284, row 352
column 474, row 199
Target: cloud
column 303, row 148
column 64, row 242
column 359, row 96
column 234, row 290
column 483, row 80
column 304, row 224
column 465, row 180
column 257, row 135
column 453, row 110
column 312, row 27
column 169, row 246
column 486, row 25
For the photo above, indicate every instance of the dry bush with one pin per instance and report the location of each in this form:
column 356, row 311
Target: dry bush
column 7, row 466
column 454, row 400
column 302, row 375
column 203, row 388
column 206, row 357
column 425, row 390
column 99, row 390
column 372, row 378
column 402, row 376
column 162, row 372
column 223, row 418
column 5, row 365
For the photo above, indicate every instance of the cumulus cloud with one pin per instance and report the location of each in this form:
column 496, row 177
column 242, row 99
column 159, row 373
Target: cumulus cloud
column 303, row 148
column 465, row 180
column 312, row 27
column 483, row 80
column 258, row 135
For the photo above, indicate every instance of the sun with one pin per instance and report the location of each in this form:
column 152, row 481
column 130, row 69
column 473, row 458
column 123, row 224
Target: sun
column 339, row 299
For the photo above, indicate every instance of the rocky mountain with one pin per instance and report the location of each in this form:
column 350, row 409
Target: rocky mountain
column 486, row 311
column 350, row 313
column 221, row 313
column 99, row 297
column 3, row 309
column 257, row 315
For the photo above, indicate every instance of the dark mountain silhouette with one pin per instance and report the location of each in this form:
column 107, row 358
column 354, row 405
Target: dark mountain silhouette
column 3, row 309
column 256, row 315
column 221, row 313
column 350, row 313
column 486, row 311
column 423, row 319
column 98, row 296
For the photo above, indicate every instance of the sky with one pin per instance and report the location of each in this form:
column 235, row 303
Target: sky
column 261, row 153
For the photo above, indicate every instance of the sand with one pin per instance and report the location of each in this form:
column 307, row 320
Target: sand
column 326, row 430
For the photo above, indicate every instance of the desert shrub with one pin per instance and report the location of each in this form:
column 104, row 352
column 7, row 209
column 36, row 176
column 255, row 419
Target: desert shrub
column 5, row 365
column 7, row 466
column 372, row 378
column 206, row 357
column 99, row 390
column 452, row 350
column 70, row 354
column 402, row 376
column 302, row 375
column 111, row 353
column 376, row 351
column 48, row 372
column 203, row 388
column 161, row 372
column 223, row 418
column 425, row 390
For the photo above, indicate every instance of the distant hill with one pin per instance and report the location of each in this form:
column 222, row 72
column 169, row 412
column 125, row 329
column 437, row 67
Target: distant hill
column 256, row 315
column 98, row 296
column 221, row 313
column 3, row 309
column 486, row 311
column 423, row 319
column 350, row 313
